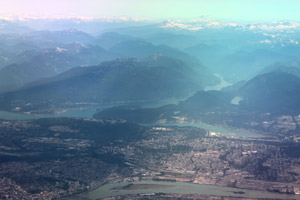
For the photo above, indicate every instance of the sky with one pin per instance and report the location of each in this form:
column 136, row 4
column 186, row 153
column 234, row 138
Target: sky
column 228, row 10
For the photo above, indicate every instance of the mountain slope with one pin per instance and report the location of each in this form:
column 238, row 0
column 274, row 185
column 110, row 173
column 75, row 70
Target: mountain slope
column 275, row 92
column 119, row 80
column 291, row 67
column 50, row 62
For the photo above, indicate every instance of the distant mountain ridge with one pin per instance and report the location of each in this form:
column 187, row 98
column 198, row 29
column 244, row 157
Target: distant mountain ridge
column 142, row 49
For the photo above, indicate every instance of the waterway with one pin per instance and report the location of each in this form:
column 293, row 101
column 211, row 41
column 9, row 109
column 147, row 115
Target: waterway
column 147, row 187
column 217, row 129
column 86, row 111
column 219, row 86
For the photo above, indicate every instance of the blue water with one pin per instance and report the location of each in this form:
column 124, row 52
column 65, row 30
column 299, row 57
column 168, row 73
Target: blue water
column 146, row 187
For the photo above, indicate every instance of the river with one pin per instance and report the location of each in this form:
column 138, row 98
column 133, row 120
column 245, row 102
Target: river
column 86, row 111
column 224, row 131
column 219, row 86
column 146, row 187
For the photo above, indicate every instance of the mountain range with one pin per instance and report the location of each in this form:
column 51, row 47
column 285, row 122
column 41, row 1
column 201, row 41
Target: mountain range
column 50, row 62
column 129, row 79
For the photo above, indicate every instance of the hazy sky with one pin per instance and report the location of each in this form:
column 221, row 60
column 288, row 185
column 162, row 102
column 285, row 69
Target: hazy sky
column 249, row 10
